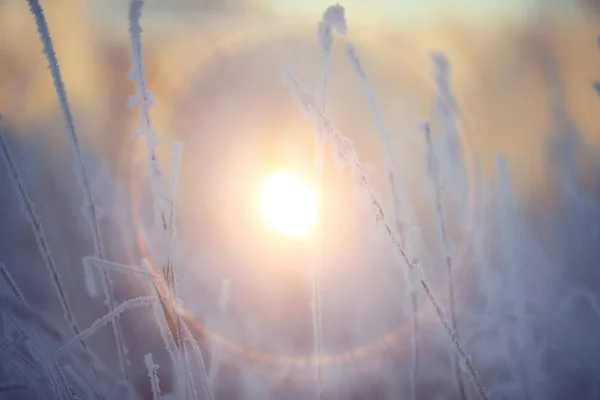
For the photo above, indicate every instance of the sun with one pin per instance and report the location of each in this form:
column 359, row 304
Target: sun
column 288, row 204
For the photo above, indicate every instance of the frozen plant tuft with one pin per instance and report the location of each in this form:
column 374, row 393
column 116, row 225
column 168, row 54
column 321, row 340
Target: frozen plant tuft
column 335, row 18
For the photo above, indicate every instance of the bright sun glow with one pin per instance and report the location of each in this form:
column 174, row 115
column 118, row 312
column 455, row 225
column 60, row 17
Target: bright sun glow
column 288, row 204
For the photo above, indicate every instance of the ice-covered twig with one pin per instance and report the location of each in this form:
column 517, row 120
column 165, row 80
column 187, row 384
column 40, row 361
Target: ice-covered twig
column 144, row 99
column 176, row 334
column 345, row 153
column 199, row 361
column 163, row 197
column 163, row 201
column 131, row 304
column 168, row 321
column 153, row 376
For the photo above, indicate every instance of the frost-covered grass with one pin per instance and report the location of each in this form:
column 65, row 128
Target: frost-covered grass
column 476, row 288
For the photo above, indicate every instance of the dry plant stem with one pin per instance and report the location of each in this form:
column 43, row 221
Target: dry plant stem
column 166, row 318
column 143, row 98
column 466, row 358
column 390, row 164
column 25, row 366
column 28, row 210
column 164, row 205
column 432, row 168
column 16, row 291
column 346, row 154
column 132, row 304
column 12, row 286
column 333, row 18
column 199, row 360
column 7, row 277
column 324, row 65
column 215, row 358
column 451, row 159
column 80, row 172
column 415, row 352
column 9, row 388
column 153, row 376
column 82, row 384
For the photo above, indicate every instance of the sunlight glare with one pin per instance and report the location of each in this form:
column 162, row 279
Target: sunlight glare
column 288, row 204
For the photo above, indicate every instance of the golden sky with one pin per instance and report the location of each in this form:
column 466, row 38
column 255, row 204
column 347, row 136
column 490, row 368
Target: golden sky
column 210, row 62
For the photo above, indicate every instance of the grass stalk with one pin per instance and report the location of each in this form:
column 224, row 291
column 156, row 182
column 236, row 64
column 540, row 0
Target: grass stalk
column 401, row 210
column 91, row 211
column 432, row 169
column 37, row 229
column 345, row 154
column 153, row 376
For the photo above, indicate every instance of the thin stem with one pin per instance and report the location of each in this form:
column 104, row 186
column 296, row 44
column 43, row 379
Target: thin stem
column 325, row 38
column 91, row 215
column 400, row 210
column 432, row 168
column 346, row 155
column 31, row 216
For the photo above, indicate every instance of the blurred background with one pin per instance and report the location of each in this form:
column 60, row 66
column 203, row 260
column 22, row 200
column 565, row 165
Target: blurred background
column 522, row 73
